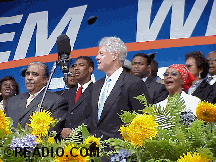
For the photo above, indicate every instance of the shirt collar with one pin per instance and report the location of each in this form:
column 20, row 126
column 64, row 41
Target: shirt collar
column 116, row 74
column 84, row 85
column 214, row 76
column 144, row 79
column 38, row 91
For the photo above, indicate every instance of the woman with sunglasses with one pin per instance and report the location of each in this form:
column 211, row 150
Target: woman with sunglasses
column 8, row 87
column 178, row 79
column 197, row 64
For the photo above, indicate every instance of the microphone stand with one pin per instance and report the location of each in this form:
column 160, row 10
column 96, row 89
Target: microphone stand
column 47, row 86
column 63, row 63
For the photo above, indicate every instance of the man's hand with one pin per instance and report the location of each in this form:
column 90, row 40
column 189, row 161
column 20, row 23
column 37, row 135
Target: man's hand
column 65, row 132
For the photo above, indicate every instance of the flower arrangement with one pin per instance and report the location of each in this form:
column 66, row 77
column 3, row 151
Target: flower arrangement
column 169, row 135
column 172, row 134
column 37, row 143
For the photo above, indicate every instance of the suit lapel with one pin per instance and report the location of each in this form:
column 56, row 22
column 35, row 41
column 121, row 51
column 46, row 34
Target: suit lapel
column 147, row 83
column 83, row 96
column 113, row 96
column 22, row 103
column 70, row 96
column 200, row 88
column 95, row 97
column 32, row 106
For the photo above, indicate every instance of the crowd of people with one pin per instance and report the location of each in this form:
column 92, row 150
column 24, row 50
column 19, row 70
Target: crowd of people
column 99, row 104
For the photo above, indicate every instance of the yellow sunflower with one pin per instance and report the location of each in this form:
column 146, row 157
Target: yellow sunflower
column 206, row 111
column 40, row 123
column 142, row 127
column 72, row 154
column 4, row 123
column 51, row 139
column 92, row 139
column 196, row 157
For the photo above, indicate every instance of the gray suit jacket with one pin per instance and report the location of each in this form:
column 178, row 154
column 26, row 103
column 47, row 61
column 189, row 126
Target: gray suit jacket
column 15, row 107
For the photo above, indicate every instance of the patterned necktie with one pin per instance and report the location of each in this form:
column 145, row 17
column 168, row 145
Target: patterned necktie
column 78, row 94
column 31, row 97
column 103, row 97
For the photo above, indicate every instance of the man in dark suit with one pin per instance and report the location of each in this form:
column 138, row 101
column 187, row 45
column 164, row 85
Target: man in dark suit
column 211, row 77
column 79, row 107
column 115, row 92
column 141, row 66
column 20, row 107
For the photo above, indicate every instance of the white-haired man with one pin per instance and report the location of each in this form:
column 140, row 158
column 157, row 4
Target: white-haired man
column 115, row 92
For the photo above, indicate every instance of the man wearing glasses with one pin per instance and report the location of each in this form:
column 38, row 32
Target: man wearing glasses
column 212, row 74
column 212, row 67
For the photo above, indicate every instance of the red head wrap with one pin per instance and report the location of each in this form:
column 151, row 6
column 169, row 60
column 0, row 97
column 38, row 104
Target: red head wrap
column 187, row 77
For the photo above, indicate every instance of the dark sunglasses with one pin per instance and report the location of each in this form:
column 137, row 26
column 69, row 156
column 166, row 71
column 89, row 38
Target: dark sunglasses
column 173, row 73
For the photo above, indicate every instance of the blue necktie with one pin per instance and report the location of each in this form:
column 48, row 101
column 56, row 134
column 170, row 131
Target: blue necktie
column 103, row 97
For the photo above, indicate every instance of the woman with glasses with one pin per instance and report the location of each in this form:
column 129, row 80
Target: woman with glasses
column 8, row 87
column 178, row 79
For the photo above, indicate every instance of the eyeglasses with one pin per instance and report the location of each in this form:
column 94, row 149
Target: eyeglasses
column 173, row 73
column 211, row 59
column 188, row 66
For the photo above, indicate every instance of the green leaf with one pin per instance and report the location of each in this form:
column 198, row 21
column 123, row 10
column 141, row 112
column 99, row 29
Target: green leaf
column 127, row 116
column 85, row 132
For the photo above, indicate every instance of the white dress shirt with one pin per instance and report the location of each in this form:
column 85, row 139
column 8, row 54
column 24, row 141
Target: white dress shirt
column 84, row 86
column 114, row 77
column 37, row 93
column 191, row 102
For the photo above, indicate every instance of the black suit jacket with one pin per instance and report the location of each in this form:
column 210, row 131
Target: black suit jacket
column 15, row 107
column 79, row 112
column 204, row 91
column 212, row 96
column 120, row 98
column 157, row 91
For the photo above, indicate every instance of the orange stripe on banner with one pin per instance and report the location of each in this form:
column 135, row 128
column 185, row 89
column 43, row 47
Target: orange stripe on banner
column 135, row 46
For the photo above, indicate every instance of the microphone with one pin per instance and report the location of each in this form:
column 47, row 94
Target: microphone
column 63, row 50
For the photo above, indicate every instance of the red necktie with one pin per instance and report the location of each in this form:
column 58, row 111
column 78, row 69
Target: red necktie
column 78, row 94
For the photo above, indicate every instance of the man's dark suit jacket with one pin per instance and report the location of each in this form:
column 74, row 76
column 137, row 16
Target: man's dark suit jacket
column 204, row 91
column 121, row 98
column 79, row 112
column 15, row 107
column 157, row 91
